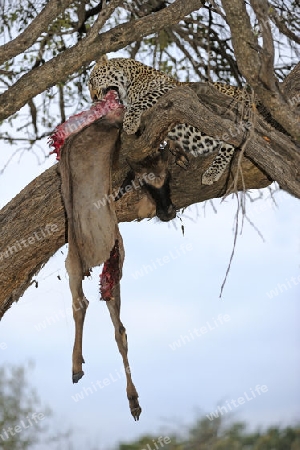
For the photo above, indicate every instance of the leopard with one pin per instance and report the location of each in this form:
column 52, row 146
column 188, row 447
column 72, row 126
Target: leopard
column 139, row 87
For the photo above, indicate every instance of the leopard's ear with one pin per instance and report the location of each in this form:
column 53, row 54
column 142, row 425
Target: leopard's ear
column 103, row 60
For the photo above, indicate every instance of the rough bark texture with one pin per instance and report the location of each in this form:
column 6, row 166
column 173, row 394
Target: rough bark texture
column 256, row 62
column 25, row 218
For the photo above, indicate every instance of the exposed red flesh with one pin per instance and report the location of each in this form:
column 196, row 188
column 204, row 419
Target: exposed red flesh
column 110, row 103
column 110, row 274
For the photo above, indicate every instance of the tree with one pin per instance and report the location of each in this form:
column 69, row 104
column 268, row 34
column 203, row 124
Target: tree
column 22, row 415
column 18, row 405
column 216, row 435
column 45, row 69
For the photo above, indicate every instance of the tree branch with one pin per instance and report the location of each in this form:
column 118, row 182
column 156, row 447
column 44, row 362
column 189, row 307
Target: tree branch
column 25, row 222
column 261, row 8
column 291, row 87
column 250, row 63
column 282, row 26
column 103, row 15
column 39, row 24
column 80, row 55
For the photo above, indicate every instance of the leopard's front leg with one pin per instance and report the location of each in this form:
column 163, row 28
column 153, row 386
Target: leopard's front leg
column 132, row 118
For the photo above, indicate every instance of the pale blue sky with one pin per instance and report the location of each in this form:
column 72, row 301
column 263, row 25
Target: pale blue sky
column 258, row 345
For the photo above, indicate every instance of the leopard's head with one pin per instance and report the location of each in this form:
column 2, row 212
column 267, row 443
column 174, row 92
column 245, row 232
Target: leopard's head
column 106, row 75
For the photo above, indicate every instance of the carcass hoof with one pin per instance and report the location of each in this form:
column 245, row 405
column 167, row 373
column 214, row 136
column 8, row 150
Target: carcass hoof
column 135, row 408
column 136, row 413
column 183, row 162
column 181, row 158
column 76, row 376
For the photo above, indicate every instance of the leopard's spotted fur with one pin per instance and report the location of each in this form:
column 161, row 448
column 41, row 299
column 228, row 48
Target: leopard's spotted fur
column 140, row 87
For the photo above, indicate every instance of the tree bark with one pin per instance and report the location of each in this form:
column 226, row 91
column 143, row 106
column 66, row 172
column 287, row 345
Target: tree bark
column 33, row 224
column 255, row 62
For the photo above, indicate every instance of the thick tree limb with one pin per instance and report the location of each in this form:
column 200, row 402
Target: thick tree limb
column 291, row 88
column 27, row 242
column 80, row 55
column 253, row 62
column 261, row 9
column 39, row 25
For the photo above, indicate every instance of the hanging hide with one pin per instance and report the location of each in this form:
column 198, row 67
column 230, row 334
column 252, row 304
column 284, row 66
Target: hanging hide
column 93, row 233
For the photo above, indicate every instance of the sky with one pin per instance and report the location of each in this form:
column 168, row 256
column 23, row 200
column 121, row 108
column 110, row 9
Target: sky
column 191, row 352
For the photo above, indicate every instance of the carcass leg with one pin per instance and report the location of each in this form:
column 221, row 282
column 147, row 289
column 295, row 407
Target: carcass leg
column 80, row 304
column 114, row 305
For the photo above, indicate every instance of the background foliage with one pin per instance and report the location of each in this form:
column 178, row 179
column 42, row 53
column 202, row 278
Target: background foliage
column 19, row 400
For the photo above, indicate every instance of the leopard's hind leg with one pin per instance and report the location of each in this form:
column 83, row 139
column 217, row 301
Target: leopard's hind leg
column 197, row 143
